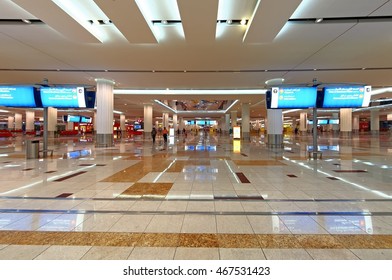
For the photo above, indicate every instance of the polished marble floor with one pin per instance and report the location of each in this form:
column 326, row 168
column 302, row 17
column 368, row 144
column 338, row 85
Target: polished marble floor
column 205, row 196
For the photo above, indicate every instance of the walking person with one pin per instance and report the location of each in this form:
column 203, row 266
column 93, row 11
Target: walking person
column 153, row 134
column 164, row 133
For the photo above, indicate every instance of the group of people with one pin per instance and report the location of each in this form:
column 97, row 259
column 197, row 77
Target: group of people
column 164, row 133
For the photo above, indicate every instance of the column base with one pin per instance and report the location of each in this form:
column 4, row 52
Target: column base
column 246, row 136
column 104, row 140
column 303, row 133
column 375, row 132
column 345, row 134
column 50, row 134
column 147, row 135
column 275, row 140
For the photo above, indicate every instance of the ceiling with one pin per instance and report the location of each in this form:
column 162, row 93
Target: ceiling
column 195, row 44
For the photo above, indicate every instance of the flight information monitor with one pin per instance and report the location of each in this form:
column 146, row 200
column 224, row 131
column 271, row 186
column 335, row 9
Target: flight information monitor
column 292, row 98
column 17, row 96
column 63, row 97
column 346, row 96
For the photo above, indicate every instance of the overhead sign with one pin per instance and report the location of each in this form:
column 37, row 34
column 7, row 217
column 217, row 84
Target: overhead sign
column 346, row 96
column 17, row 96
column 65, row 97
column 293, row 98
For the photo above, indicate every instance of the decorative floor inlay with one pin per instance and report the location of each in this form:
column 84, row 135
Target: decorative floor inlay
column 70, row 176
column 258, row 162
column 147, row 189
column 242, row 177
column 197, row 240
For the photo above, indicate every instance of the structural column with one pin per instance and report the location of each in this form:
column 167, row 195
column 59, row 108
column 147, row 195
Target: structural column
column 52, row 121
column 227, row 124
column 165, row 120
column 355, row 124
column 346, row 122
column 233, row 118
column 303, row 123
column 104, row 121
column 147, row 121
column 275, row 128
column 374, row 122
column 122, row 125
column 245, row 121
column 175, row 125
column 10, row 123
column 30, row 116
column 18, row 121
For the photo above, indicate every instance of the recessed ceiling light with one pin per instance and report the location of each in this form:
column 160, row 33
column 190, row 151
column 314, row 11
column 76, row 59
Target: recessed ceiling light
column 26, row 21
column 229, row 21
column 243, row 21
column 318, row 20
column 164, row 21
column 276, row 81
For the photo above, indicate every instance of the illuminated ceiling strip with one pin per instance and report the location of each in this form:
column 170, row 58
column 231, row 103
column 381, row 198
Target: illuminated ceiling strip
column 80, row 11
column 190, row 91
column 165, row 106
column 232, row 104
column 381, row 90
column 291, row 111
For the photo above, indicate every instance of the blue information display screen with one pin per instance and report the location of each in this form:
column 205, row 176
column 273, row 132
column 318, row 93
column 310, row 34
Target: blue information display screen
column 85, row 119
column 347, row 97
column 17, row 96
column 63, row 97
column 293, row 98
column 73, row 118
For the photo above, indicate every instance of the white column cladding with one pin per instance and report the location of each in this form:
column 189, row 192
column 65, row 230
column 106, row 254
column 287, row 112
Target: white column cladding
column 104, row 121
column 18, row 121
column 165, row 120
column 245, row 115
column 175, row 125
column 52, row 121
column 30, row 117
column 181, row 124
column 374, row 122
column 227, row 124
column 356, row 124
column 10, row 122
column 303, row 123
column 346, row 121
column 147, row 121
column 233, row 118
column 122, row 124
column 275, row 127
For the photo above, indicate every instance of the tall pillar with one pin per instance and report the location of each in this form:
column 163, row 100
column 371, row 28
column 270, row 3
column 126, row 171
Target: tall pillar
column 52, row 121
column 122, row 125
column 10, row 123
column 374, row 122
column 70, row 126
column 275, row 127
column 95, row 122
column 227, row 124
column 148, row 121
column 303, row 123
column 233, row 118
column 346, row 121
column 181, row 124
column 30, row 116
column 355, row 124
column 165, row 120
column 18, row 121
column 104, row 121
column 175, row 125
column 245, row 115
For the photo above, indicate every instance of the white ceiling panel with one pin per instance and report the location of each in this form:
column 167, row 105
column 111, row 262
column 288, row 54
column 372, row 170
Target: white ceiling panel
column 234, row 9
column 268, row 19
column 129, row 20
column 336, row 8
column 56, row 18
column 9, row 10
column 198, row 29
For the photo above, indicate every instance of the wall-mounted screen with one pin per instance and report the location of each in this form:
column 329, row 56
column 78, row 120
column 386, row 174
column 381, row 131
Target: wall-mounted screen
column 85, row 119
column 71, row 118
column 17, row 96
column 291, row 98
column 137, row 126
column 66, row 97
column 322, row 121
column 346, row 97
column 334, row 121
